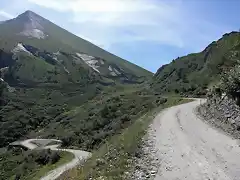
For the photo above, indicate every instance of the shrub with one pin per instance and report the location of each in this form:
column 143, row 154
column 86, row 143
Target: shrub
column 43, row 157
column 55, row 157
column 105, row 112
column 66, row 141
column 230, row 83
column 18, row 177
column 125, row 118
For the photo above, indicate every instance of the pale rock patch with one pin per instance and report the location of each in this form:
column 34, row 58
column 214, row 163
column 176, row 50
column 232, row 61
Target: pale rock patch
column 89, row 60
column 20, row 48
column 113, row 71
column 66, row 70
column 117, row 72
column 110, row 68
column 34, row 33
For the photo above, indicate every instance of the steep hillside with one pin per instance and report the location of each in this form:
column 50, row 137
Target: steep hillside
column 194, row 73
column 29, row 65
column 55, row 84
column 34, row 30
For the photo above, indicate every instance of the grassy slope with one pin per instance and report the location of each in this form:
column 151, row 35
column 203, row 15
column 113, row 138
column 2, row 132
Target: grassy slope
column 113, row 158
column 60, row 39
column 75, row 114
column 193, row 73
column 89, row 48
column 90, row 124
column 15, row 163
column 42, row 171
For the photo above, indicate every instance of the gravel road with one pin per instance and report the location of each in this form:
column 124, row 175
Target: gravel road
column 189, row 149
column 80, row 156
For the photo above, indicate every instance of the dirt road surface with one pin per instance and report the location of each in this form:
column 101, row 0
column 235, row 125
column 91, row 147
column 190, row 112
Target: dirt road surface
column 190, row 149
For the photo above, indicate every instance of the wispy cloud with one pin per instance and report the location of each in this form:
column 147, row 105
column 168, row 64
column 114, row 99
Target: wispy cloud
column 6, row 15
column 108, row 22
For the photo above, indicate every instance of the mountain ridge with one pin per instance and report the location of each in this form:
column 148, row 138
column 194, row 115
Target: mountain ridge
column 196, row 73
column 57, row 39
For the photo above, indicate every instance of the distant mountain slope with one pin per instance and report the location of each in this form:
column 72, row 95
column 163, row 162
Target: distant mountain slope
column 52, row 82
column 195, row 72
column 37, row 32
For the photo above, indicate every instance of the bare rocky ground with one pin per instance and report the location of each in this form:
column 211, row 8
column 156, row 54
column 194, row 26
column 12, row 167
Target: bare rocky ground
column 146, row 160
column 222, row 113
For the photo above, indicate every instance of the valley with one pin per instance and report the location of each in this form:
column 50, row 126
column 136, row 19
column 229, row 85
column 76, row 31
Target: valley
column 59, row 87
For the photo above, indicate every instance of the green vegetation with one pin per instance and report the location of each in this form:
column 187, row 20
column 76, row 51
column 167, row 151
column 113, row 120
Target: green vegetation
column 113, row 158
column 229, row 85
column 80, row 119
column 103, row 106
column 86, row 120
column 194, row 73
column 91, row 126
column 50, row 91
column 30, row 165
column 32, row 109
column 58, row 40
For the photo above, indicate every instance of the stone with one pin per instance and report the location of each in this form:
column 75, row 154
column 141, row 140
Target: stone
column 232, row 121
column 153, row 172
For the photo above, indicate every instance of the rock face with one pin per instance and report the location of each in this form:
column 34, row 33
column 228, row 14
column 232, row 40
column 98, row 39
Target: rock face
column 32, row 25
column 222, row 113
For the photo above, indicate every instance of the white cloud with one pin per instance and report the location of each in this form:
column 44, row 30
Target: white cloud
column 95, row 5
column 6, row 15
column 108, row 22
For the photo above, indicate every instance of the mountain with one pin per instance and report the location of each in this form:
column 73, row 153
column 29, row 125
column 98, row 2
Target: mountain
column 55, row 84
column 51, row 79
column 30, row 38
column 195, row 73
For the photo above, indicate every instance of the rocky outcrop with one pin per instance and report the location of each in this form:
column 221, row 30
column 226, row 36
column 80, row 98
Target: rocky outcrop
column 223, row 113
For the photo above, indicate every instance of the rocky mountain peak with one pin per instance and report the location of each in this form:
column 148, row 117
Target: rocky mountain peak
column 29, row 16
column 33, row 25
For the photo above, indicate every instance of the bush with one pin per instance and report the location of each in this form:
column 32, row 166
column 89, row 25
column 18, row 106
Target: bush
column 18, row 177
column 230, row 82
column 55, row 157
column 125, row 118
column 105, row 112
column 43, row 157
column 161, row 101
column 66, row 141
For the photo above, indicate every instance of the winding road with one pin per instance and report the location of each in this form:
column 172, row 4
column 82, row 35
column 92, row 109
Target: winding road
column 190, row 149
column 79, row 156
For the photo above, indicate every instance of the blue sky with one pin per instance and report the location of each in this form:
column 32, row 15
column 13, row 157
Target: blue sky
column 149, row 33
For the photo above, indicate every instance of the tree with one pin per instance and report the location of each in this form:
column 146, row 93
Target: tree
column 55, row 157
column 230, row 83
